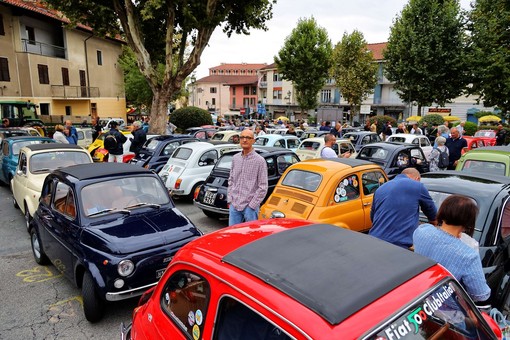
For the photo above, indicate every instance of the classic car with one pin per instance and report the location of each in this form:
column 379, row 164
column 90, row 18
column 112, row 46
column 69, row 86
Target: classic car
column 395, row 157
column 492, row 230
column 16, row 131
column 278, row 141
column 35, row 162
column 100, row 154
column 489, row 136
column 309, row 133
column 229, row 136
column 211, row 197
column 473, row 143
column 189, row 166
column 109, row 228
column 201, row 132
column 284, row 131
column 334, row 191
column 362, row 138
column 293, row 279
column 84, row 136
column 311, row 148
column 420, row 140
column 157, row 150
column 10, row 154
column 492, row 160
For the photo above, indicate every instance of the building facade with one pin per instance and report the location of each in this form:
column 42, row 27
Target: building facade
column 67, row 72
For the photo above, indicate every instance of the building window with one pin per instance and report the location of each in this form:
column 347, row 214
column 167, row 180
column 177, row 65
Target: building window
column 276, row 77
column 93, row 109
column 99, row 57
column 277, row 94
column 44, row 108
column 4, row 70
column 212, row 89
column 43, row 74
column 252, row 101
column 213, row 101
column 2, row 30
column 68, row 110
column 30, row 35
column 254, row 90
column 233, row 91
column 325, row 96
column 65, row 76
column 246, row 90
column 233, row 102
column 264, row 77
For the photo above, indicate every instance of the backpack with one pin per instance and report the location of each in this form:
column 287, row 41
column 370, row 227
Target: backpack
column 110, row 142
column 444, row 159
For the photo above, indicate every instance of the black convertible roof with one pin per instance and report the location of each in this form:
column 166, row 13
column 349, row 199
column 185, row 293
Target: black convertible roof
column 332, row 271
column 95, row 170
column 39, row 147
column 353, row 162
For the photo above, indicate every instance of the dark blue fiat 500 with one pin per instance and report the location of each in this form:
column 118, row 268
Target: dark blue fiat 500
column 110, row 228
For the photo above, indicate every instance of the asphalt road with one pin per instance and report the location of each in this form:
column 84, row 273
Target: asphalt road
column 38, row 303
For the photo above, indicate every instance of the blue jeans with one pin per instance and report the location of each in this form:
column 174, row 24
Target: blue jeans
column 248, row 214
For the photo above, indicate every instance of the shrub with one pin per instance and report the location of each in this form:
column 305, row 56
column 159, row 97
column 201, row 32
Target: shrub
column 431, row 119
column 190, row 116
column 470, row 128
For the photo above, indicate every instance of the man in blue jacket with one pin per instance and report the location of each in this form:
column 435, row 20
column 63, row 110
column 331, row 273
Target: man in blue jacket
column 396, row 208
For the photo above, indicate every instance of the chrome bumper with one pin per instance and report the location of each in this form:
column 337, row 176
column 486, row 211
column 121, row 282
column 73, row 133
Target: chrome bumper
column 127, row 294
column 125, row 331
column 211, row 208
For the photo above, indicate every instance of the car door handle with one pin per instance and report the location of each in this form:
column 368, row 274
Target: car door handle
column 212, row 189
column 366, row 204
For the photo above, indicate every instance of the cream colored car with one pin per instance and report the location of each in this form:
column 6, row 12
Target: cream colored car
column 311, row 148
column 35, row 163
column 230, row 136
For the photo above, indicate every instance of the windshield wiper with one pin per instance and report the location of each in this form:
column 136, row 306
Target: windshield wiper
column 144, row 204
column 103, row 211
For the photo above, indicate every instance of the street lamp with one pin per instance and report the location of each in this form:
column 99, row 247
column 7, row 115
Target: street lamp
column 193, row 81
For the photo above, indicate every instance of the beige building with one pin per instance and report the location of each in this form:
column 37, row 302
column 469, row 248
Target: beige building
column 66, row 72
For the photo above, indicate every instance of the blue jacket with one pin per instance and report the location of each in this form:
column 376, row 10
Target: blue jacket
column 396, row 208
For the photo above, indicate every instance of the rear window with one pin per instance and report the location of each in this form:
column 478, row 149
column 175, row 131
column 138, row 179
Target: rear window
column 18, row 145
column 309, row 145
column 47, row 161
column 492, row 168
column 182, row 153
column 225, row 162
column 217, row 136
column 376, row 153
column 443, row 313
column 304, row 180
column 152, row 144
column 352, row 137
column 397, row 139
column 261, row 141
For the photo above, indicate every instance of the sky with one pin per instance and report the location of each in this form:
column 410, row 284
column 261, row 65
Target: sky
column 373, row 18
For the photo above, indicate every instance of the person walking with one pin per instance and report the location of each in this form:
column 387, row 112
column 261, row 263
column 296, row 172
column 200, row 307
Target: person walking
column 73, row 134
column 327, row 151
column 443, row 244
column 247, row 182
column 96, row 128
column 500, row 135
column 455, row 143
column 59, row 136
column 139, row 138
column 436, row 156
column 396, row 206
column 115, row 146
column 416, row 130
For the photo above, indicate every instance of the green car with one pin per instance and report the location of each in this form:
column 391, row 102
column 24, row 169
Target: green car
column 493, row 160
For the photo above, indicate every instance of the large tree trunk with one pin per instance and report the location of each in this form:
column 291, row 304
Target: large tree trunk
column 159, row 108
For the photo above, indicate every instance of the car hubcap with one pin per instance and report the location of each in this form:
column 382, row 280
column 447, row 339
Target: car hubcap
column 35, row 243
column 27, row 218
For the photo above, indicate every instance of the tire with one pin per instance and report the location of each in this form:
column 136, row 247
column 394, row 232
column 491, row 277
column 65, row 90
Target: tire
column 190, row 196
column 212, row 214
column 93, row 306
column 37, row 250
column 28, row 218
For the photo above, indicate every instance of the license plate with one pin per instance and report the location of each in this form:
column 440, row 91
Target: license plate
column 159, row 273
column 209, row 197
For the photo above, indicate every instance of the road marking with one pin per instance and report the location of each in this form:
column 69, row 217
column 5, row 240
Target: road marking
column 64, row 308
column 37, row 274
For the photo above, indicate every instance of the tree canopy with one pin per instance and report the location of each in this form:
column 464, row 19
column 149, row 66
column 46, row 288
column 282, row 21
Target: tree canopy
column 305, row 59
column 425, row 55
column 160, row 32
column 354, row 69
column 490, row 52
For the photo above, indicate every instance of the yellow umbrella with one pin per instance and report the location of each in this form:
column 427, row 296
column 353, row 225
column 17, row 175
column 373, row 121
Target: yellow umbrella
column 282, row 118
column 489, row 118
column 451, row 118
column 414, row 119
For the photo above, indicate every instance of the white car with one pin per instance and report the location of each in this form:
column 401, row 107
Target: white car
column 278, row 141
column 421, row 140
column 189, row 166
column 311, row 148
column 35, row 163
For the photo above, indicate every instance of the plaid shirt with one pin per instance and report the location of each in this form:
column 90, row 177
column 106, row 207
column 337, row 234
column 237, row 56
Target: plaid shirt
column 247, row 183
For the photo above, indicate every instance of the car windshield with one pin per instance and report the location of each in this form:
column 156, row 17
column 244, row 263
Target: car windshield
column 304, row 180
column 47, row 161
column 218, row 136
column 352, row 137
column 261, row 141
column 18, row 145
column 373, row 153
column 307, row 145
column 397, row 139
column 490, row 134
column 152, row 144
column 182, row 153
column 445, row 312
column 225, row 162
column 486, row 167
column 123, row 194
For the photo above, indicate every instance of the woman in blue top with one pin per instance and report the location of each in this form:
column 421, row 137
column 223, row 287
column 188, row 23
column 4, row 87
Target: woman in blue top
column 443, row 244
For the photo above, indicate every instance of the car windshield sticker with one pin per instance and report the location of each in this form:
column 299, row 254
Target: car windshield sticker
column 346, row 181
column 191, row 318
column 198, row 317
column 196, row 332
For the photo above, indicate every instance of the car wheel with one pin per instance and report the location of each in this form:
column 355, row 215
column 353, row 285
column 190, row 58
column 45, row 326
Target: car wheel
column 39, row 255
column 28, row 218
column 212, row 214
column 93, row 306
column 192, row 193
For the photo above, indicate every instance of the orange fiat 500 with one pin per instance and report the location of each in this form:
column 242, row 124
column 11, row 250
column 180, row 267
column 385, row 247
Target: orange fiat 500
column 334, row 191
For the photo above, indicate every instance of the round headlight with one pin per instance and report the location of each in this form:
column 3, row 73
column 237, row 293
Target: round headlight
column 125, row 267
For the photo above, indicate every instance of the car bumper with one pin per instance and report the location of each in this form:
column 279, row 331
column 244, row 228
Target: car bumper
column 127, row 294
column 177, row 192
column 211, row 208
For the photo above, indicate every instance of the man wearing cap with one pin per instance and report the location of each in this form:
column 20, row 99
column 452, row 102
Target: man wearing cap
column 115, row 155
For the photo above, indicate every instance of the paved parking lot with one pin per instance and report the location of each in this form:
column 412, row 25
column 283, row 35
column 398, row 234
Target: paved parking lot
column 37, row 302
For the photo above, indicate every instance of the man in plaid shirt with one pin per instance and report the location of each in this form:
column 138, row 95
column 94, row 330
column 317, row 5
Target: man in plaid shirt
column 247, row 183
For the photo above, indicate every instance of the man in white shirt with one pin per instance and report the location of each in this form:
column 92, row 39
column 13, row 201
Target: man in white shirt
column 328, row 152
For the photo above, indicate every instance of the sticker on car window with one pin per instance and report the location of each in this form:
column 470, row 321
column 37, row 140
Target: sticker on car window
column 196, row 332
column 198, row 317
column 191, row 318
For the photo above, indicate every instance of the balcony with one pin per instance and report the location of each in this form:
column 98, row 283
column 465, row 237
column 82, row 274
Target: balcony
column 61, row 91
column 36, row 47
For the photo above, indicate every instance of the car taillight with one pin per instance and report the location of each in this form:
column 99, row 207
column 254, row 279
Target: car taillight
column 178, row 183
column 197, row 190
column 145, row 297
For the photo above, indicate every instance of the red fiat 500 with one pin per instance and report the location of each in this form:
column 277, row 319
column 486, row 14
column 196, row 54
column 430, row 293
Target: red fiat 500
column 292, row 279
